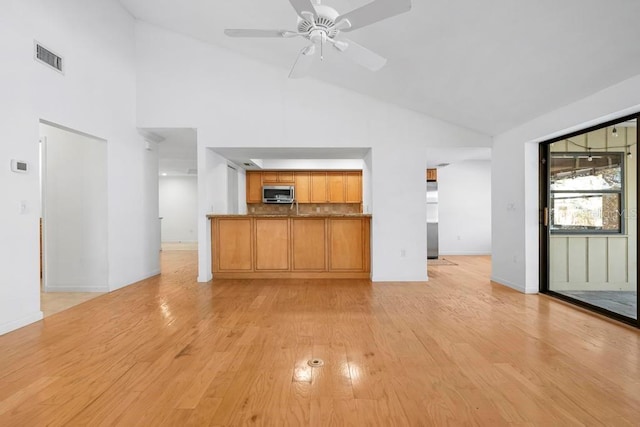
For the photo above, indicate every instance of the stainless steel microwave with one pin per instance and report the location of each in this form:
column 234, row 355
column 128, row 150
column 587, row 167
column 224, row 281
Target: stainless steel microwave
column 278, row 194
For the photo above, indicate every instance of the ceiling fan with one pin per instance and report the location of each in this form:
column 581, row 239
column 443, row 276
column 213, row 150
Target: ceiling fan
column 322, row 24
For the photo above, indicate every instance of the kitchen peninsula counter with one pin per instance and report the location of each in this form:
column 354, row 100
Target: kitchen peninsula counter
column 305, row 246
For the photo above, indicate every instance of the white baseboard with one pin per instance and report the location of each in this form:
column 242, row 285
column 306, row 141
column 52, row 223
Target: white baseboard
column 508, row 284
column 76, row 289
column 144, row 277
column 465, row 253
column 19, row 323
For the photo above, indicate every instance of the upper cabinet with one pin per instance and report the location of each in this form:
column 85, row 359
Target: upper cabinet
column 303, row 187
column 254, row 187
column 275, row 177
column 319, row 187
column 353, row 187
column 310, row 186
column 432, row 175
column 335, row 185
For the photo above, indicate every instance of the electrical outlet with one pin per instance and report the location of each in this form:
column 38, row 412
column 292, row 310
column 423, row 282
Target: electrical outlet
column 318, row 209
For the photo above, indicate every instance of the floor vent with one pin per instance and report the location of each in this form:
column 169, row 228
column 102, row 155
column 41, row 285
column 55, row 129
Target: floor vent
column 47, row 57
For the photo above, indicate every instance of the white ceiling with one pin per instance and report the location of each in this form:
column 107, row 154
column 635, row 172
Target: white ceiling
column 487, row 65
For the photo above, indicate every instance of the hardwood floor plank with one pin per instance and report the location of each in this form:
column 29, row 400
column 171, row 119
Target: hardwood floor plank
column 456, row 350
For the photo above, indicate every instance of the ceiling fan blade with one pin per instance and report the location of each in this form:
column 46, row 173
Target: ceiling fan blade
column 373, row 12
column 303, row 63
column 304, row 8
column 256, row 33
column 360, row 54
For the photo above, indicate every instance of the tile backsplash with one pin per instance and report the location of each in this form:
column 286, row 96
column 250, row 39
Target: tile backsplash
column 304, row 208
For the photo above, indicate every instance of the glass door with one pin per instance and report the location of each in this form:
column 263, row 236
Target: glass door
column 589, row 238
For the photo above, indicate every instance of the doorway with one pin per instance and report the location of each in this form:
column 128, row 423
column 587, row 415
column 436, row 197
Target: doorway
column 74, row 215
column 589, row 236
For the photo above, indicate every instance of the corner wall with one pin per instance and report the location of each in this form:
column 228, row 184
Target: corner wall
column 96, row 95
column 514, row 206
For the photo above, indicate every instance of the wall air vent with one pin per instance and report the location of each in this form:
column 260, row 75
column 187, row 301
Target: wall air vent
column 45, row 56
column 192, row 171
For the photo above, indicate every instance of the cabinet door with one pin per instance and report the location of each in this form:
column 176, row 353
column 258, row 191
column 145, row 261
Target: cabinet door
column 346, row 244
column 432, row 174
column 270, row 177
column 354, row 187
column 232, row 245
column 272, row 243
column 285, row 177
column 303, row 187
column 335, row 186
column 254, row 187
column 308, row 244
column 318, row 187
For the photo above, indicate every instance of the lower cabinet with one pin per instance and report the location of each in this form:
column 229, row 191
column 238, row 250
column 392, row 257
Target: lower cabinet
column 346, row 240
column 290, row 247
column 309, row 244
column 272, row 243
column 235, row 235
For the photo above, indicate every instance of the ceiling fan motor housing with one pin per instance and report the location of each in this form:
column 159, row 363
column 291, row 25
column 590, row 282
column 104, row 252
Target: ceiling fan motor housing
column 325, row 20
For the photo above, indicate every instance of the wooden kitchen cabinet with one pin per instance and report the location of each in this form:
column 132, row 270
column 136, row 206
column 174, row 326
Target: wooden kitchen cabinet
column 347, row 244
column 308, row 237
column 272, row 243
column 319, row 187
column 310, row 186
column 277, row 177
column 270, row 177
column 302, row 187
column 335, row 187
column 290, row 247
column 254, row 187
column 432, row 174
column 353, row 187
column 236, row 236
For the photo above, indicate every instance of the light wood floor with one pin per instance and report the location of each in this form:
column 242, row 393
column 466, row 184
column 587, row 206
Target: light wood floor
column 55, row 302
column 456, row 350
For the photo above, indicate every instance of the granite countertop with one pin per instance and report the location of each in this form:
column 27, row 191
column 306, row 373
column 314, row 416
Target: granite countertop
column 287, row 215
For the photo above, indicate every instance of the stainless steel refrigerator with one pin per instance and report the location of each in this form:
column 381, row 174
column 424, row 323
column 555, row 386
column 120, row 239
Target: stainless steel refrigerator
column 432, row 220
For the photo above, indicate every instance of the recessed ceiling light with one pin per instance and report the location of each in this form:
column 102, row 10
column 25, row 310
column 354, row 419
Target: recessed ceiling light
column 163, row 174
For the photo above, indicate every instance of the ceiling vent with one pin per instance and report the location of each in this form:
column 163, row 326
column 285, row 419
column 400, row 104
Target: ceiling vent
column 45, row 56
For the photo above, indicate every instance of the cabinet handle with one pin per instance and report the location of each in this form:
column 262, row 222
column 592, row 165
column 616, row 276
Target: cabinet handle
column 545, row 219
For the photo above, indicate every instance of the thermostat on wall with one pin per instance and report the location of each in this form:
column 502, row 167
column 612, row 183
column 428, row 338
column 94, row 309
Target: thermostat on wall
column 19, row 166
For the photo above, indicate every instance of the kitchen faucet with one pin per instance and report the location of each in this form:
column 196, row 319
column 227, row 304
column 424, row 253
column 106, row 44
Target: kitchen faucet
column 297, row 206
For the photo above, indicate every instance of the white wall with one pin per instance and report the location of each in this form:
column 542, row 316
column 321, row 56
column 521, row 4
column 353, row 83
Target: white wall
column 179, row 208
column 515, row 179
column 237, row 102
column 97, row 96
column 464, row 208
column 74, row 211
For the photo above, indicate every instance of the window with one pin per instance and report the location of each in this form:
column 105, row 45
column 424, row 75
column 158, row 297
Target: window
column 586, row 192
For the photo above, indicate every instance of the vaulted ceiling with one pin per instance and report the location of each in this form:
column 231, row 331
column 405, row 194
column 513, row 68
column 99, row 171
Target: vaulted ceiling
column 487, row 65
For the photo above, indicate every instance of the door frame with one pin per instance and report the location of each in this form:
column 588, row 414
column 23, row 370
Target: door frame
column 543, row 210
